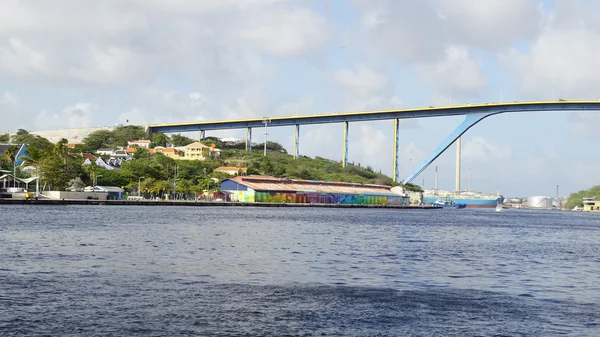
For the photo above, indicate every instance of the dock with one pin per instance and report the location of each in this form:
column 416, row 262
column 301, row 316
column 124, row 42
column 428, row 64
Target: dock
column 195, row 203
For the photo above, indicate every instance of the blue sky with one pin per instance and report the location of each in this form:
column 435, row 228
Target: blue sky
column 69, row 64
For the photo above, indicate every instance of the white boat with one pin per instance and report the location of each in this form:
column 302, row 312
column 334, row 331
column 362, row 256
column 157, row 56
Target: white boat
column 499, row 208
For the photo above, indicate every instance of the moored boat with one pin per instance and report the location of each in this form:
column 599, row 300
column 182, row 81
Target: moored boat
column 470, row 198
column 447, row 203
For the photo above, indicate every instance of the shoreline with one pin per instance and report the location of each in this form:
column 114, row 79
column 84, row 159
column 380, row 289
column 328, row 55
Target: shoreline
column 195, row 203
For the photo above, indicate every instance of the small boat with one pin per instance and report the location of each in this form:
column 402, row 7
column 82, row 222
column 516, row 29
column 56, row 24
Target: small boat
column 448, row 204
column 499, row 208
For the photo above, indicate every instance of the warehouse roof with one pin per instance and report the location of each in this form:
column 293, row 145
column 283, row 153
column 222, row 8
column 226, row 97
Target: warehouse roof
column 265, row 183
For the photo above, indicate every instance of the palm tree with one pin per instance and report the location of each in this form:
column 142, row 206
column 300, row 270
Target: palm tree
column 61, row 150
column 11, row 155
column 34, row 158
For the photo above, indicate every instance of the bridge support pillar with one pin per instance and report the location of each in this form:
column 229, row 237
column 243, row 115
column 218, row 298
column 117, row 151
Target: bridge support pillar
column 201, row 135
column 296, row 141
column 248, row 139
column 345, row 146
column 469, row 121
column 396, row 172
column 458, row 159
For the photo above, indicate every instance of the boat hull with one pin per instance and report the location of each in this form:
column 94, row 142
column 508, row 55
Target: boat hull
column 471, row 203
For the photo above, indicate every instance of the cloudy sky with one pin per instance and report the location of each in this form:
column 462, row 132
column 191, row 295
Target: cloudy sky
column 73, row 63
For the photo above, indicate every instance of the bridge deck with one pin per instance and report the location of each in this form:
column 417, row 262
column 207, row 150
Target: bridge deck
column 427, row 112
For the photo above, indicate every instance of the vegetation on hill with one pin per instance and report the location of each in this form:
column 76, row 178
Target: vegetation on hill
column 576, row 199
column 158, row 175
column 112, row 139
column 283, row 165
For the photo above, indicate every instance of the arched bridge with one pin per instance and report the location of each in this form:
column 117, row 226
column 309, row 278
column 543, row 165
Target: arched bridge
column 473, row 113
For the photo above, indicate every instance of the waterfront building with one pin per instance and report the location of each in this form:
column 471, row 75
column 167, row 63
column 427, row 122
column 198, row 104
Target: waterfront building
column 591, row 205
column 270, row 189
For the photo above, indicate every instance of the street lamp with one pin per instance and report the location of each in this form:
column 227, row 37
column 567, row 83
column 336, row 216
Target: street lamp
column 266, row 122
column 140, row 185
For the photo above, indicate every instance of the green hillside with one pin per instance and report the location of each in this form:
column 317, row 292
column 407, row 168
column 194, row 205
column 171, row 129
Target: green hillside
column 60, row 167
column 576, row 199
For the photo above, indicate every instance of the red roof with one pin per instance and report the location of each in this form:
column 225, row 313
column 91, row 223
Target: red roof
column 231, row 168
column 89, row 156
column 266, row 183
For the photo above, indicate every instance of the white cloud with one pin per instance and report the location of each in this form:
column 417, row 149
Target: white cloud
column 362, row 81
column 585, row 125
column 490, row 24
column 205, row 7
column 410, row 31
column 457, row 73
column 135, row 116
column 559, row 61
column 78, row 115
column 9, row 99
column 561, row 58
column 481, row 149
column 285, row 32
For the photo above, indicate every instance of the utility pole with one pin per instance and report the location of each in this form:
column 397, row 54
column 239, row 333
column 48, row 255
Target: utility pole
column 265, row 122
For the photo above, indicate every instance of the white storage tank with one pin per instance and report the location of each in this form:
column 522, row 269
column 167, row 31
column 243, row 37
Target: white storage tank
column 540, row 202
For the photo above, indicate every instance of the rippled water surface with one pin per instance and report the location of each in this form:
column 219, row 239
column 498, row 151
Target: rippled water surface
column 229, row 271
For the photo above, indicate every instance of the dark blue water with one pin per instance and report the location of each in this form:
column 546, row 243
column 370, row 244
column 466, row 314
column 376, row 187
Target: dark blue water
column 179, row 271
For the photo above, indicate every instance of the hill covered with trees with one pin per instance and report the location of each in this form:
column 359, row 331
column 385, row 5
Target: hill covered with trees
column 576, row 199
column 158, row 175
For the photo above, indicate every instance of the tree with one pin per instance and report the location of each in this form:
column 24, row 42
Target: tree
column 140, row 153
column 5, row 164
column 159, row 139
column 97, row 140
column 34, row 158
column 4, row 138
column 22, row 132
column 57, row 171
column 33, row 141
column 122, row 134
column 94, row 171
column 111, row 178
column 76, row 184
column 11, row 155
column 179, row 140
column 61, row 151
column 271, row 147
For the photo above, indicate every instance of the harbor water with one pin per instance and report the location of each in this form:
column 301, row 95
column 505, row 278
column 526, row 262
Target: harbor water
column 244, row 271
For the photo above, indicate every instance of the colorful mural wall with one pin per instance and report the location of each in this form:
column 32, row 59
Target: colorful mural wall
column 319, row 198
column 244, row 196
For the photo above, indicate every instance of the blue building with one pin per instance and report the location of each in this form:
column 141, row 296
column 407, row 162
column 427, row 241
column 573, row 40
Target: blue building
column 21, row 153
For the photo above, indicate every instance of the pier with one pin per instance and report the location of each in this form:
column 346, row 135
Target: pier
column 195, row 203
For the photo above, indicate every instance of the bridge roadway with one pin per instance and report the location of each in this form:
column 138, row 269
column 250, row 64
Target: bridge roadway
column 474, row 113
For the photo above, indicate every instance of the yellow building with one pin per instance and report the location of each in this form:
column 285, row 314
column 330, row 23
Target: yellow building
column 169, row 152
column 199, row 151
column 591, row 205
